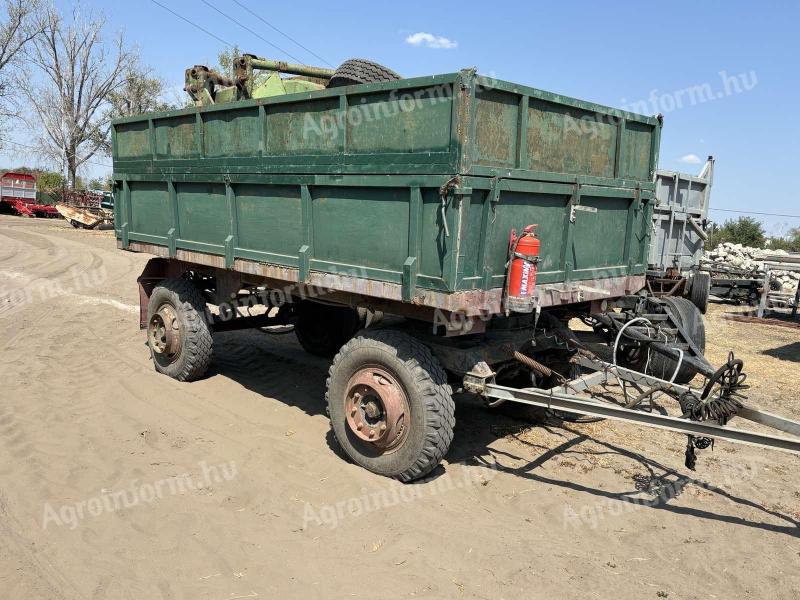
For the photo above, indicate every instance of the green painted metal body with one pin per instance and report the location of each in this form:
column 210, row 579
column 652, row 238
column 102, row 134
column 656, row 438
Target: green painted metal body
column 350, row 180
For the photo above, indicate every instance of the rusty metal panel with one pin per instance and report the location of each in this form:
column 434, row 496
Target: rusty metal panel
column 562, row 139
column 302, row 128
column 636, row 154
column 497, row 115
column 387, row 122
column 174, row 138
column 232, row 133
column 133, row 140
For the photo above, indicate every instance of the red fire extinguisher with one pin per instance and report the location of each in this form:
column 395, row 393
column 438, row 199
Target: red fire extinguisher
column 523, row 261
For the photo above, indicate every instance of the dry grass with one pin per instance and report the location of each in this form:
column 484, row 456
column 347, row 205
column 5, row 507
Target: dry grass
column 771, row 356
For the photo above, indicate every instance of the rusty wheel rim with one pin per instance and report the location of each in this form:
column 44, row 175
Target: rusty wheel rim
column 164, row 332
column 377, row 409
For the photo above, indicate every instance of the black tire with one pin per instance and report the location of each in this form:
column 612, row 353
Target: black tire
column 323, row 329
column 424, row 383
column 700, row 290
column 685, row 311
column 193, row 355
column 359, row 70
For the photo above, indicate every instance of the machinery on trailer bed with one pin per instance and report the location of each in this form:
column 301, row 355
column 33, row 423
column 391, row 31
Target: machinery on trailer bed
column 476, row 215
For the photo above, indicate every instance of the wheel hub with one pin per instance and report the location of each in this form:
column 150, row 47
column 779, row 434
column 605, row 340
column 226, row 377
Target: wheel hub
column 377, row 408
column 164, row 331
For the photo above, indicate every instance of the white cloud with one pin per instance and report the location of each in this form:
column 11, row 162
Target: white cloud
column 431, row 41
column 690, row 159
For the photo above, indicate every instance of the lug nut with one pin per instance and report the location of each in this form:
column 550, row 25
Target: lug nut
column 371, row 433
column 359, row 426
column 383, row 427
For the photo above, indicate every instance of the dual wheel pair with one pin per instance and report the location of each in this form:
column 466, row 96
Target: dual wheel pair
column 390, row 406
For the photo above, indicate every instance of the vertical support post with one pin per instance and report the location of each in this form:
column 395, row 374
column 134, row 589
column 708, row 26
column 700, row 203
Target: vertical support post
column 451, row 222
column 198, row 134
column 569, row 232
column 676, row 204
column 411, row 265
column 174, row 233
column 114, row 142
column 487, row 233
column 633, row 208
column 126, row 224
column 342, row 125
column 762, row 307
column 655, row 144
column 151, row 133
column 232, row 241
column 620, row 158
column 670, row 235
column 262, row 120
column 522, row 133
column 307, row 249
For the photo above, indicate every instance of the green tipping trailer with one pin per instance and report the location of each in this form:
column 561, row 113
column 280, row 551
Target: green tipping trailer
column 366, row 195
column 401, row 191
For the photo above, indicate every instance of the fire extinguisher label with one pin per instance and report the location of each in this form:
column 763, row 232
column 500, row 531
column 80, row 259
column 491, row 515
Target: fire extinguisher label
column 526, row 273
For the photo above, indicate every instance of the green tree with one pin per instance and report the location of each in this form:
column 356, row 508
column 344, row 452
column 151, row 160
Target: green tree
column 744, row 230
column 790, row 242
column 100, row 183
column 139, row 92
column 225, row 65
column 48, row 181
column 225, row 61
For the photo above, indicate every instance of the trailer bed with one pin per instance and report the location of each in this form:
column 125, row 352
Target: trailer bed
column 404, row 190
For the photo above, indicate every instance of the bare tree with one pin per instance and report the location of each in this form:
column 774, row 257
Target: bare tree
column 22, row 24
column 77, row 72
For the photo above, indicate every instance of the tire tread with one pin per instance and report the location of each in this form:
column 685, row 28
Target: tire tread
column 359, row 70
column 431, row 381
column 198, row 346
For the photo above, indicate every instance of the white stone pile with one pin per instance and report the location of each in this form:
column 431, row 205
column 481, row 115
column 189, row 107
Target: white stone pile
column 751, row 260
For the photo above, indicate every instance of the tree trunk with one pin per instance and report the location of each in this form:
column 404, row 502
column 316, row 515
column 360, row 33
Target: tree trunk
column 72, row 167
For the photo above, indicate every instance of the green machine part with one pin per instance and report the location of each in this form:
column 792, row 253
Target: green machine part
column 207, row 87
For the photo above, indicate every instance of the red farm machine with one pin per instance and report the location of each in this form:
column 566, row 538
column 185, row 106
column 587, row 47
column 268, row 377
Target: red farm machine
column 18, row 196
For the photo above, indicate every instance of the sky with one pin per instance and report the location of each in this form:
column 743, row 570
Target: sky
column 725, row 75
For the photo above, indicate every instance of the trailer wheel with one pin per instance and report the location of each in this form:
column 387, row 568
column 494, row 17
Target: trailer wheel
column 691, row 320
column 323, row 329
column 701, row 288
column 390, row 406
column 359, row 70
column 177, row 331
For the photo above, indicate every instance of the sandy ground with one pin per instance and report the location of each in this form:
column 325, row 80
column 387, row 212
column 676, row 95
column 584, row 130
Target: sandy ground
column 116, row 482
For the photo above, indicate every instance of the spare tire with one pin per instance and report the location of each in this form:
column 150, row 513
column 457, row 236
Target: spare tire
column 360, row 70
column 690, row 319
